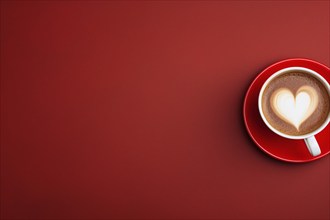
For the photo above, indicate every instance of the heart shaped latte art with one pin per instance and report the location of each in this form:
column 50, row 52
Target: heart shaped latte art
column 294, row 109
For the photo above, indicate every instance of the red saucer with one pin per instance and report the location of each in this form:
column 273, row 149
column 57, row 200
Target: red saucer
column 271, row 143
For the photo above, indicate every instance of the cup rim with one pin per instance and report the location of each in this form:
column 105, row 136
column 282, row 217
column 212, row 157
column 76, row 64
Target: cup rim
column 282, row 71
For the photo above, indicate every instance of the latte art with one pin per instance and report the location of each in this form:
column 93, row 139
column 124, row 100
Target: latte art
column 295, row 103
column 294, row 109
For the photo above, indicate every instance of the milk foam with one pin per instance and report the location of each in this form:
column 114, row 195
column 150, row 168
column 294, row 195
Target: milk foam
column 294, row 109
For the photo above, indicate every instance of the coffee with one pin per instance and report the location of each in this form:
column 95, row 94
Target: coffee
column 295, row 103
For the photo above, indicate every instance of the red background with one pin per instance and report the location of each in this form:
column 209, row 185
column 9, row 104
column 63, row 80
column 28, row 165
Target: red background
column 134, row 109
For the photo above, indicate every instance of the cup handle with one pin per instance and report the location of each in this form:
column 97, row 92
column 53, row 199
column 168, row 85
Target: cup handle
column 313, row 146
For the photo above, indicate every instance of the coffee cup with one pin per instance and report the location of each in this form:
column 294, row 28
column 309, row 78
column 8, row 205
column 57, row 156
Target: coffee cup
column 295, row 103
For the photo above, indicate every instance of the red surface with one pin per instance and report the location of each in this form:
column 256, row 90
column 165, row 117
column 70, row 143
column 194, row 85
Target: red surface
column 268, row 141
column 133, row 110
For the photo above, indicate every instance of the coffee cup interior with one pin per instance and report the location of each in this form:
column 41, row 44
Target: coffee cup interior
column 297, row 102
